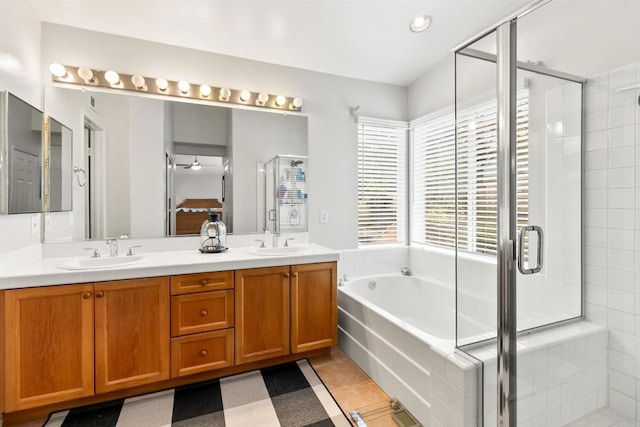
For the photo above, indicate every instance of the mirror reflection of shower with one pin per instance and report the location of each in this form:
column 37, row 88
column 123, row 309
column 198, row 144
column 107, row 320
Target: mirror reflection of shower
column 286, row 194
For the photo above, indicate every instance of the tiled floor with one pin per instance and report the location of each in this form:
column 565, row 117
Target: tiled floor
column 353, row 389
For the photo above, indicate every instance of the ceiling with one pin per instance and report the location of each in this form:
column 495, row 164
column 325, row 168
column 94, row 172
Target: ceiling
column 364, row 39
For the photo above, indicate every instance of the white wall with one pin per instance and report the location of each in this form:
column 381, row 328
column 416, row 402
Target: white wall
column 147, row 168
column 199, row 125
column 332, row 131
column 20, row 74
column 197, row 186
column 612, row 216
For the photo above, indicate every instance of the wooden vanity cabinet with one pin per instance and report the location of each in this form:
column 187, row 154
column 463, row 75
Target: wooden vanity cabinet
column 314, row 306
column 262, row 313
column 202, row 320
column 52, row 352
column 132, row 333
column 282, row 310
column 48, row 345
column 63, row 343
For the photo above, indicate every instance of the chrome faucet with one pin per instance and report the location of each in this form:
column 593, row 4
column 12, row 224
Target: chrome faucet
column 406, row 271
column 276, row 234
column 113, row 247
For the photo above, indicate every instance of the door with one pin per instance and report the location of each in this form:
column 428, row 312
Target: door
column 526, row 141
column 54, row 361
column 314, row 306
column 262, row 313
column 132, row 333
column 25, row 190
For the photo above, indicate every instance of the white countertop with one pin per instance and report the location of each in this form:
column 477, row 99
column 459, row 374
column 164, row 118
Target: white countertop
column 46, row 271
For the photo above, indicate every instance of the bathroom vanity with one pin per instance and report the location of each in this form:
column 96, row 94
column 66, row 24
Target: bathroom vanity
column 96, row 335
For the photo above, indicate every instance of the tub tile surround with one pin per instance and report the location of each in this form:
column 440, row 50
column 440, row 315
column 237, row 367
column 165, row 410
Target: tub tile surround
column 612, row 220
column 563, row 371
column 562, row 375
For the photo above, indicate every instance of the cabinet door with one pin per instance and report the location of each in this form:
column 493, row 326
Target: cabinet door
column 262, row 314
column 314, row 306
column 48, row 345
column 132, row 333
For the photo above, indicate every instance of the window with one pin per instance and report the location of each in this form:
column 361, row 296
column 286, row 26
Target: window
column 381, row 181
column 433, row 219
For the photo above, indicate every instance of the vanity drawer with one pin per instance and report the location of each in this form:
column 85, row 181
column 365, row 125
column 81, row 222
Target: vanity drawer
column 202, row 312
column 201, row 282
column 201, row 352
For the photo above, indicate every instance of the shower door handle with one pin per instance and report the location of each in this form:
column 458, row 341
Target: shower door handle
column 523, row 232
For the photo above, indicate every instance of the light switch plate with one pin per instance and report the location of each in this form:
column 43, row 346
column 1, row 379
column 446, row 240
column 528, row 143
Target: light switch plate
column 324, row 217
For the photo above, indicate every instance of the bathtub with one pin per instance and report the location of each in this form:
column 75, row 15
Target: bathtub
column 388, row 324
column 401, row 331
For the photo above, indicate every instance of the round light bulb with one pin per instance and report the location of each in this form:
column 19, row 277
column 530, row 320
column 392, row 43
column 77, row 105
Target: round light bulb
column 245, row 95
column 162, row 84
column 225, row 93
column 280, row 100
column 138, row 81
column 297, row 102
column 85, row 74
column 263, row 98
column 57, row 69
column 184, row 86
column 112, row 77
column 205, row 90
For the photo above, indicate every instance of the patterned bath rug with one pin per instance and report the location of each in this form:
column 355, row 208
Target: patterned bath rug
column 288, row 395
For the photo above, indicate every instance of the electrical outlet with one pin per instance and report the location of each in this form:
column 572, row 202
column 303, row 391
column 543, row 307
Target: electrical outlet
column 34, row 224
column 324, row 217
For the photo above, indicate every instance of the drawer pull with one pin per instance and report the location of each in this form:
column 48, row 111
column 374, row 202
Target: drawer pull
column 203, row 353
column 203, row 282
column 99, row 294
column 86, row 295
column 203, row 313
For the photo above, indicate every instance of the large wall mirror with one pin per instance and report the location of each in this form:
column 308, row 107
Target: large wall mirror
column 152, row 167
column 20, row 156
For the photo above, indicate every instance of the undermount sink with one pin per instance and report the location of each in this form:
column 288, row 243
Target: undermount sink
column 282, row 250
column 103, row 262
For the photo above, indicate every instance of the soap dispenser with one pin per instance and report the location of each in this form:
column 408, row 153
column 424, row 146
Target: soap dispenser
column 213, row 235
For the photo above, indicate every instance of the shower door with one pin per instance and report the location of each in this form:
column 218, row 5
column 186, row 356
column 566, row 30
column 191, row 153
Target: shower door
column 519, row 220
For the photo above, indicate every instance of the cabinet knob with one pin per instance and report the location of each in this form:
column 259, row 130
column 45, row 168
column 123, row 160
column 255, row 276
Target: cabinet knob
column 86, row 295
column 294, row 274
column 99, row 294
column 203, row 353
column 286, row 275
column 203, row 282
column 203, row 313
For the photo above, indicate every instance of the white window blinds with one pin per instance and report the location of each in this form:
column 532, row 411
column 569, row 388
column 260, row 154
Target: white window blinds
column 433, row 219
column 381, row 181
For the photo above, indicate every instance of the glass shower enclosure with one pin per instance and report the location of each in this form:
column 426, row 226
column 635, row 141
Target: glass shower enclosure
column 519, row 162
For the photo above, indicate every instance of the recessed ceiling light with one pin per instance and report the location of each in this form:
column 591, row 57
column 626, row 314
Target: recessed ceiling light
column 420, row 23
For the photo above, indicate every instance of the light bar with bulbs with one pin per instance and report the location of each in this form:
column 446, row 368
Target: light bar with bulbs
column 160, row 86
